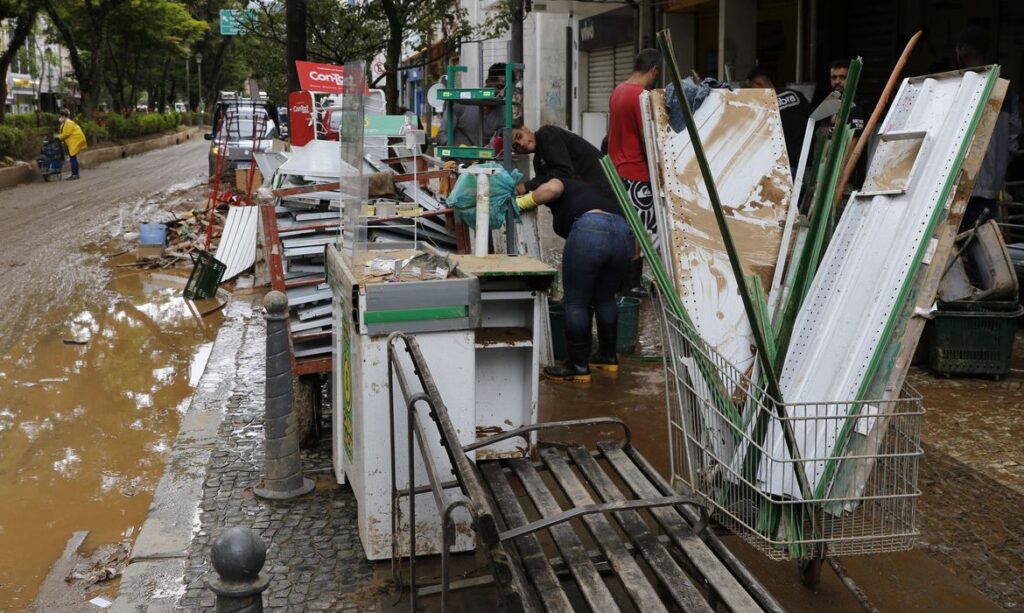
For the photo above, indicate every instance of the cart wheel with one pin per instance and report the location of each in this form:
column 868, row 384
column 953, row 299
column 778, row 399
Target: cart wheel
column 810, row 571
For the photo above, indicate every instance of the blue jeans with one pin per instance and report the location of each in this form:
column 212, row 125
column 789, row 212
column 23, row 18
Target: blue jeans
column 596, row 258
column 74, row 166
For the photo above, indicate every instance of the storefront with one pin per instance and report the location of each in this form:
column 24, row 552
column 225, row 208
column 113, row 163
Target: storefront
column 607, row 46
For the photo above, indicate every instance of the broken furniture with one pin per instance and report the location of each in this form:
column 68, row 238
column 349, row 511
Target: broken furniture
column 653, row 550
column 483, row 314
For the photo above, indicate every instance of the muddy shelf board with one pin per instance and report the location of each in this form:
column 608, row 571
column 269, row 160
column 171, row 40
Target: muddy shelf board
column 869, row 271
column 742, row 136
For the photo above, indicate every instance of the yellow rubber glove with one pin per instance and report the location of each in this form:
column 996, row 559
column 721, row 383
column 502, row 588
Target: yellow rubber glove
column 526, row 202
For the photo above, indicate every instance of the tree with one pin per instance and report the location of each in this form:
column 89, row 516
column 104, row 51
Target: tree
column 82, row 25
column 295, row 33
column 146, row 45
column 426, row 18
column 23, row 13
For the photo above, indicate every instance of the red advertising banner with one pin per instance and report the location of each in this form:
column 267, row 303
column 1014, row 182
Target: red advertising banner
column 300, row 118
column 321, row 78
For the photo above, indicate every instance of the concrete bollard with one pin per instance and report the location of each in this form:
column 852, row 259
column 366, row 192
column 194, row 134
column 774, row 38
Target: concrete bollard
column 238, row 556
column 282, row 465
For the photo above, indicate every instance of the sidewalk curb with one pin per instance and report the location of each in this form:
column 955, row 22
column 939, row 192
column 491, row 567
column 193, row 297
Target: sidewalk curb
column 153, row 579
column 28, row 173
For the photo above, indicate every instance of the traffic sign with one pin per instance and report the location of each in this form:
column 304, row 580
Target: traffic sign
column 230, row 18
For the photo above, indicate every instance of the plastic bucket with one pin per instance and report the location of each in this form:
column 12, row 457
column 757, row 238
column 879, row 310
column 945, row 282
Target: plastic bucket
column 629, row 324
column 153, row 234
column 557, row 317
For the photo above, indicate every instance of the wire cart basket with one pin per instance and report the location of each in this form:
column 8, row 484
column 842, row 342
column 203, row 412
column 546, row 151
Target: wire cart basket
column 726, row 444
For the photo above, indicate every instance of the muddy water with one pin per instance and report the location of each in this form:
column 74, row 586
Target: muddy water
column 90, row 400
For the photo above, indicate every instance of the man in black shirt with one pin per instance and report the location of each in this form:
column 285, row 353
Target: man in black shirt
column 598, row 249
column 559, row 154
column 794, row 109
column 837, row 72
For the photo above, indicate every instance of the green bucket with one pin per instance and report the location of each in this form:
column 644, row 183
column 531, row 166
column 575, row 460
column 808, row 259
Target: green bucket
column 629, row 324
column 207, row 272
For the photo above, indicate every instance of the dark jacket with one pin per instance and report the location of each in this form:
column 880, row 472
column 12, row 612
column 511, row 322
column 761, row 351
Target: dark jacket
column 560, row 154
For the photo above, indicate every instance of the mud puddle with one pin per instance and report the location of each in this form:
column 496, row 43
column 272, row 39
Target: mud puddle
column 90, row 400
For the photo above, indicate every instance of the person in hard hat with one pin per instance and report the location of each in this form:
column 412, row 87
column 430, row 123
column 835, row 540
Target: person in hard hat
column 598, row 249
column 74, row 139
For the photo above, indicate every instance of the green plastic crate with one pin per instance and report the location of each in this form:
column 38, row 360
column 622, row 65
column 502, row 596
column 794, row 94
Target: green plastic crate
column 207, row 272
column 973, row 338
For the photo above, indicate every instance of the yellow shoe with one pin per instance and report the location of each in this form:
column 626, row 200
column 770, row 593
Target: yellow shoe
column 567, row 373
column 607, row 365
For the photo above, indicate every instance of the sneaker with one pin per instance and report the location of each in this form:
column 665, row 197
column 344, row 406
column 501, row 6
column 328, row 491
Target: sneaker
column 73, row 178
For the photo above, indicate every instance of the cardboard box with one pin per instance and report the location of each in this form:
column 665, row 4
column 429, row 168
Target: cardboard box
column 149, row 252
column 242, row 179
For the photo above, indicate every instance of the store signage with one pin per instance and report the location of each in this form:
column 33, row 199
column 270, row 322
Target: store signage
column 606, row 30
column 300, row 118
column 321, row 78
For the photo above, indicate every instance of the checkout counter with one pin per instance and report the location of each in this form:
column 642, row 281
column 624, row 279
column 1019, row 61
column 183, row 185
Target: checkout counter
column 480, row 323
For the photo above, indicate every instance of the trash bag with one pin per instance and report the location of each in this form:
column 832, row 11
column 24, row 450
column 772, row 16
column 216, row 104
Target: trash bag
column 503, row 192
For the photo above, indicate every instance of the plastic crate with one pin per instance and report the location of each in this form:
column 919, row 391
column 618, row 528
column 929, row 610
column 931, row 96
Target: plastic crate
column 973, row 338
column 207, row 272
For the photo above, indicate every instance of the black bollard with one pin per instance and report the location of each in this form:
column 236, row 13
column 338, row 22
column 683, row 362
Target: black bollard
column 282, row 464
column 238, row 556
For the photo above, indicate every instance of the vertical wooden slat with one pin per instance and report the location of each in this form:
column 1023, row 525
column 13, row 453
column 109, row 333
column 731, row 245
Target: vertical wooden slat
column 619, row 558
column 573, row 553
column 672, row 578
column 530, row 551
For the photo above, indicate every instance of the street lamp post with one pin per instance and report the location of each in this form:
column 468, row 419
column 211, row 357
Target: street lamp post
column 188, row 83
column 202, row 109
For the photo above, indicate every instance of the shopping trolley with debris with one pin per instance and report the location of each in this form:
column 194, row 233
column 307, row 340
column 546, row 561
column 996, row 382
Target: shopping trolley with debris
column 728, row 445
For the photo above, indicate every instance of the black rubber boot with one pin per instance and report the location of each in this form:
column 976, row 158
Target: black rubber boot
column 575, row 368
column 606, row 359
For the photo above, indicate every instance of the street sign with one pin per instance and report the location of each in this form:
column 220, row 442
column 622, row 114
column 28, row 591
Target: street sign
column 230, row 18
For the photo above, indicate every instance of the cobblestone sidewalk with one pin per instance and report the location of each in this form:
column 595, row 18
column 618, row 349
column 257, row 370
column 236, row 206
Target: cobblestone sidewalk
column 314, row 557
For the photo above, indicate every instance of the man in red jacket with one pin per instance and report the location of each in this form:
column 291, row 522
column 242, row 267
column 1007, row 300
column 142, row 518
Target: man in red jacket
column 626, row 146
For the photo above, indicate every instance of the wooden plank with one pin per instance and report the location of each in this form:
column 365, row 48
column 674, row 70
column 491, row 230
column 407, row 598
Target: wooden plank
column 573, row 552
column 719, row 579
column 530, row 550
column 673, row 579
column 501, row 265
column 747, row 579
column 619, row 558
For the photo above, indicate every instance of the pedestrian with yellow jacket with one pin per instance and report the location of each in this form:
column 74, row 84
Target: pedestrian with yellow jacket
column 74, row 139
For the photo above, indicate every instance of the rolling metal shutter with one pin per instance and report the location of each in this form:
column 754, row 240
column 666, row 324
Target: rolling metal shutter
column 600, row 79
column 606, row 68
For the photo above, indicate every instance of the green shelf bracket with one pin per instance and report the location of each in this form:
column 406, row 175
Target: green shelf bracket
column 466, row 153
column 455, row 95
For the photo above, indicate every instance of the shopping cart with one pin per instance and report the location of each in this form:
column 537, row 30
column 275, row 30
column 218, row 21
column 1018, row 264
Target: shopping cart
column 727, row 445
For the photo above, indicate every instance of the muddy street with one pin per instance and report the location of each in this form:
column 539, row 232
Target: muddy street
column 97, row 363
column 46, row 224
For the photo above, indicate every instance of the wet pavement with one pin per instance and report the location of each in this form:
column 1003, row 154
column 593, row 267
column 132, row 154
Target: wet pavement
column 90, row 400
column 97, row 361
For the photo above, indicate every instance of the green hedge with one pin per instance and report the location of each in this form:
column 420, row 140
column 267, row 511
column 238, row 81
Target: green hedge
column 24, row 121
column 94, row 132
column 140, row 124
column 22, row 144
column 21, row 135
